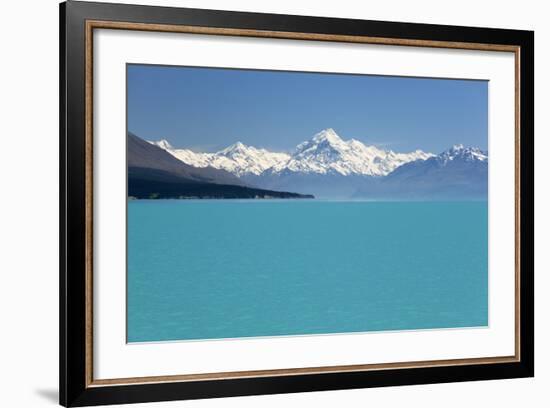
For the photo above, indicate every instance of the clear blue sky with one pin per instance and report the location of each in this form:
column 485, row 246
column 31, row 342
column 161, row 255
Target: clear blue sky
column 206, row 109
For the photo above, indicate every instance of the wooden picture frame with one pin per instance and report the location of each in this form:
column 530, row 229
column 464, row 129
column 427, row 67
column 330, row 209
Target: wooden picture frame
column 78, row 20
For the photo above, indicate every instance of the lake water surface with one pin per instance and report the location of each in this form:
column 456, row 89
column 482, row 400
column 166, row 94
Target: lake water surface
column 210, row 269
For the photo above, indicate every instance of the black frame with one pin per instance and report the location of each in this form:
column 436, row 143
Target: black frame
column 73, row 390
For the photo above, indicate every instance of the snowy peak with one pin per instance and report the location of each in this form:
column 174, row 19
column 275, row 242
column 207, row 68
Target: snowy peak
column 236, row 148
column 328, row 153
column 324, row 153
column 238, row 158
column 241, row 159
column 328, row 136
column 459, row 173
column 326, row 141
column 163, row 144
column 459, row 152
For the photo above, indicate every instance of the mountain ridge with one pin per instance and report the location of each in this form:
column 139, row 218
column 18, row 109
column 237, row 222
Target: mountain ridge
column 324, row 153
column 154, row 173
column 456, row 173
column 329, row 167
column 237, row 158
column 141, row 155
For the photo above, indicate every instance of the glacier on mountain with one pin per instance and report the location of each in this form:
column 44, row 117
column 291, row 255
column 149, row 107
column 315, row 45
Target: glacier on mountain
column 238, row 158
column 329, row 167
column 327, row 153
column 324, row 153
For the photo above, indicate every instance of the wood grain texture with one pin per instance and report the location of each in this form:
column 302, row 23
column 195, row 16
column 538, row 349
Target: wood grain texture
column 117, row 25
column 517, row 203
column 89, row 235
column 298, row 371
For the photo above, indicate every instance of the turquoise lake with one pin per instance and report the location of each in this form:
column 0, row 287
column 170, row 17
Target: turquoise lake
column 210, row 269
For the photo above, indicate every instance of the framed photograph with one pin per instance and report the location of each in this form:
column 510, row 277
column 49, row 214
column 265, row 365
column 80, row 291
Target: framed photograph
column 256, row 204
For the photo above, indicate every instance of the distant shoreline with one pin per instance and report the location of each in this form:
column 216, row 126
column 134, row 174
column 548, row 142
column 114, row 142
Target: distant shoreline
column 266, row 198
column 325, row 200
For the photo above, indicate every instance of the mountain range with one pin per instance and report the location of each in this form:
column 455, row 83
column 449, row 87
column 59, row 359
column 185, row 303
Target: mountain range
column 154, row 173
column 329, row 167
column 324, row 153
column 459, row 173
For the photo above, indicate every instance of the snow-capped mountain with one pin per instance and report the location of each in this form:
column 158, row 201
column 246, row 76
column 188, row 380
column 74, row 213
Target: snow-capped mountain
column 328, row 166
column 163, row 144
column 154, row 173
column 456, row 160
column 327, row 153
column 238, row 158
column 461, row 153
column 457, row 173
column 324, row 154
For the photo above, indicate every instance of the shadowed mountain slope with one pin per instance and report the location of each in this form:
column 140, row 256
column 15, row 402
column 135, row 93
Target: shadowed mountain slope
column 154, row 173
